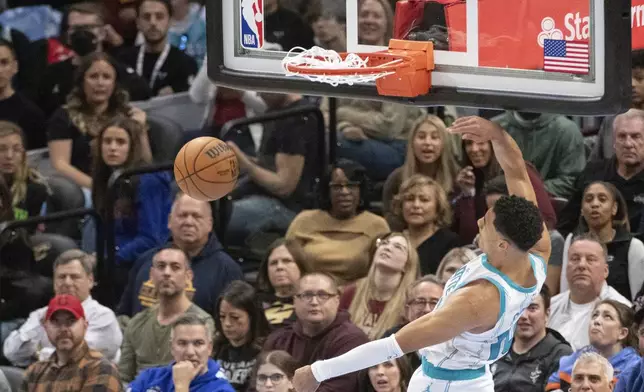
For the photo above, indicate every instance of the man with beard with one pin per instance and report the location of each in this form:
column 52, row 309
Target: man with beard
column 74, row 366
column 145, row 342
column 535, row 351
column 166, row 69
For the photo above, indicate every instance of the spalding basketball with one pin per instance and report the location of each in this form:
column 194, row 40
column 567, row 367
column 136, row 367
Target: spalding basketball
column 206, row 169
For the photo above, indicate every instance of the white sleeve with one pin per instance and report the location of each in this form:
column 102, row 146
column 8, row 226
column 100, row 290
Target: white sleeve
column 563, row 280
column 201, row 86
column 21, row 345
column 635, row 266
column 104, row 333
column 361, row 357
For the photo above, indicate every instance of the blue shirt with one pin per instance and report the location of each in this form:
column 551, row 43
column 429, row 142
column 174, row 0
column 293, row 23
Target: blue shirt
column 159, row 379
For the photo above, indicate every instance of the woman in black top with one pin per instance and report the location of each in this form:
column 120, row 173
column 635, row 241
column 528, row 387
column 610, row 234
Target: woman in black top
column 241, row 330
column 96, row 99
column 28, row 187
column 423, row 205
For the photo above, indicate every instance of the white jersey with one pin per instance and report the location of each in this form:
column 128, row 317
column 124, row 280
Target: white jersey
column 466, row 356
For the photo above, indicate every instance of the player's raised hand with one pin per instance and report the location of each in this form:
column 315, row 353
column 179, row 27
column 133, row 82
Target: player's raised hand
column 304, row 380
column 476, row 129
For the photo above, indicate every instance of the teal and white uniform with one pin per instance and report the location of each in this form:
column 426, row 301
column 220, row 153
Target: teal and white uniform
column 462, row 363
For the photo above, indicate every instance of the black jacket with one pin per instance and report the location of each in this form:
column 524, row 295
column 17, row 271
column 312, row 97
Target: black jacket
column 529, row 372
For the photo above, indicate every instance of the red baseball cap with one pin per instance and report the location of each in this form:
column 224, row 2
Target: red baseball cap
column 65, row 302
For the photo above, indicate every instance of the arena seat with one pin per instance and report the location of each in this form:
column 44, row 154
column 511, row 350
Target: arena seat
column 47, row 247
column 65, row 196
column 14, row 375
column 166, row 137
column 178, row 107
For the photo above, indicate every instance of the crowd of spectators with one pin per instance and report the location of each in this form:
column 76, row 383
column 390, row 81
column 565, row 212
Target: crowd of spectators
column 349, row 253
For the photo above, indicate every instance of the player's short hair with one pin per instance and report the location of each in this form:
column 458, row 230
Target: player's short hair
column 518, row 220
column 593, row 357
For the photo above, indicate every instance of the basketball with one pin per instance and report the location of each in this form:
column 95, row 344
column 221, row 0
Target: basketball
column 206, row 169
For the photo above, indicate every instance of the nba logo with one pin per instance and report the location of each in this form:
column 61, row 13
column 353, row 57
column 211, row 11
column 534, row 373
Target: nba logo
column 252, row 24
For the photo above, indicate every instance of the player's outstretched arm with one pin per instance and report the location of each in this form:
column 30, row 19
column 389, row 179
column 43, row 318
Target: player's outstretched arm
column 510, row 159
column 474, row 306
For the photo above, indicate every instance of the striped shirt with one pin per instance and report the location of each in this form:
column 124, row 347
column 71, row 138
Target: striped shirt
column 87, row 371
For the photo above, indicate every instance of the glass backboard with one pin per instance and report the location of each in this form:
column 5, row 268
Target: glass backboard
column 569, row 57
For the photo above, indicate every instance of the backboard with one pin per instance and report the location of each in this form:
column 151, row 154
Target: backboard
column 563, row 56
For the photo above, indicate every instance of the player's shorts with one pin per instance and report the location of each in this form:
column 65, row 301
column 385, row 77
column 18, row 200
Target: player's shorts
column 455, row 381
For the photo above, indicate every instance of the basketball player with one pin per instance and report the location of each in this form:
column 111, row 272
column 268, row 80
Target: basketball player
column 473, row 324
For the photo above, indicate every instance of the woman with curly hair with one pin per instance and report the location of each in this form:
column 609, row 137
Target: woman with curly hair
column 97, row 98
column 427, row 215
column 28, row 187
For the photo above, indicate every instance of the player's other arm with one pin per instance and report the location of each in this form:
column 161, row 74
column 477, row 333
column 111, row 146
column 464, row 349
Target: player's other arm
column 510, row 159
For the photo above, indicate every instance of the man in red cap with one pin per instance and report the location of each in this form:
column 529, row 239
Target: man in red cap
column 73, row 366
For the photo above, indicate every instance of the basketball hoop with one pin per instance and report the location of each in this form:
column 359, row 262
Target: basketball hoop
column 404, row 70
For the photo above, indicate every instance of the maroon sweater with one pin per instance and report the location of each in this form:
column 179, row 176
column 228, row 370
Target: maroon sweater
column 338, row 338
column 470, row 209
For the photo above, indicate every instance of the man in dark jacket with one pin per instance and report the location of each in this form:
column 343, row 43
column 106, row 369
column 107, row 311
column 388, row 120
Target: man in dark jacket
column 624, row 171
column 190, row 225
column 535, row 351
column 320, row 331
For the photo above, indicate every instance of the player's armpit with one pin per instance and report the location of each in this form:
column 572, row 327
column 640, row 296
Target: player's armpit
column 473, row 308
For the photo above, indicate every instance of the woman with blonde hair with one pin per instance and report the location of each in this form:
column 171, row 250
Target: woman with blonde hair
column 452, row 261
column 424, row 209
column 376, row 302
column 28, row 187
column 429, row 152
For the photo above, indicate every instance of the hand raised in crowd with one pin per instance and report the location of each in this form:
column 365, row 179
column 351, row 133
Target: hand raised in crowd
column 466, row 180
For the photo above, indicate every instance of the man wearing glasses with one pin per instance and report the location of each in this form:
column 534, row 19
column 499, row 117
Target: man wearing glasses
column 320, row 330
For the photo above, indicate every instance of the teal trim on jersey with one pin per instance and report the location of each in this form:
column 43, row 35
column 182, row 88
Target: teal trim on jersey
column 507, row 280
column 501, row 296
column 543, row 262
column 439, row 373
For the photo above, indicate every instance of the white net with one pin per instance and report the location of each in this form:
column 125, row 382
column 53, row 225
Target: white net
column 317, row 58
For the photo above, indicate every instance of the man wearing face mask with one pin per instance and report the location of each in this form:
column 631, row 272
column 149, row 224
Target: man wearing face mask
column 84, row 31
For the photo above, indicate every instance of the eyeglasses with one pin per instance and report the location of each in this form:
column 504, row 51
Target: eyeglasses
column 275, row 378
column 421, row 303
column 351, row 185
column 308, row 296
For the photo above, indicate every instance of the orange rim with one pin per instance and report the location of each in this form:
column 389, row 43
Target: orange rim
column 387, row 58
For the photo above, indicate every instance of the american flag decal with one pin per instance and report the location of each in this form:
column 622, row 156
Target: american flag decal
column 566, row 56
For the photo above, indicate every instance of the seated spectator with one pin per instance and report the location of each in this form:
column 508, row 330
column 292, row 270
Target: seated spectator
column 320, row 331
column 279, row 183
column 4, row 383
column 166, row 69
column 285, row 27
column 375, row 303
column 15, row 107
column 560, row 154
column 452, row 261
column 592, row 372
column 421, row 298
column 480, row 166
column 535, row 351
column 330, row 29
column 631, row 379
column 190, row 224
column 337, row 237
column 429, row 152
column 586, row 273
column 276, row 279
column 604, row 215
column 29, row 188
column 390, row 376
column 274, row 371
column 373, row 134
column 225, row 104
column 497, row 187
column 142, row 204
column 423, row 206
column 95, row 101
column 188, row 29
column 611, row 335
column 73, row 363
column 604, row 145
column 86, row 33
column 192, row 370
column 375, row 22
column 624, row 171
column 73, row 275
column 145, row 341
column 240, row 333
column 26, row 76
